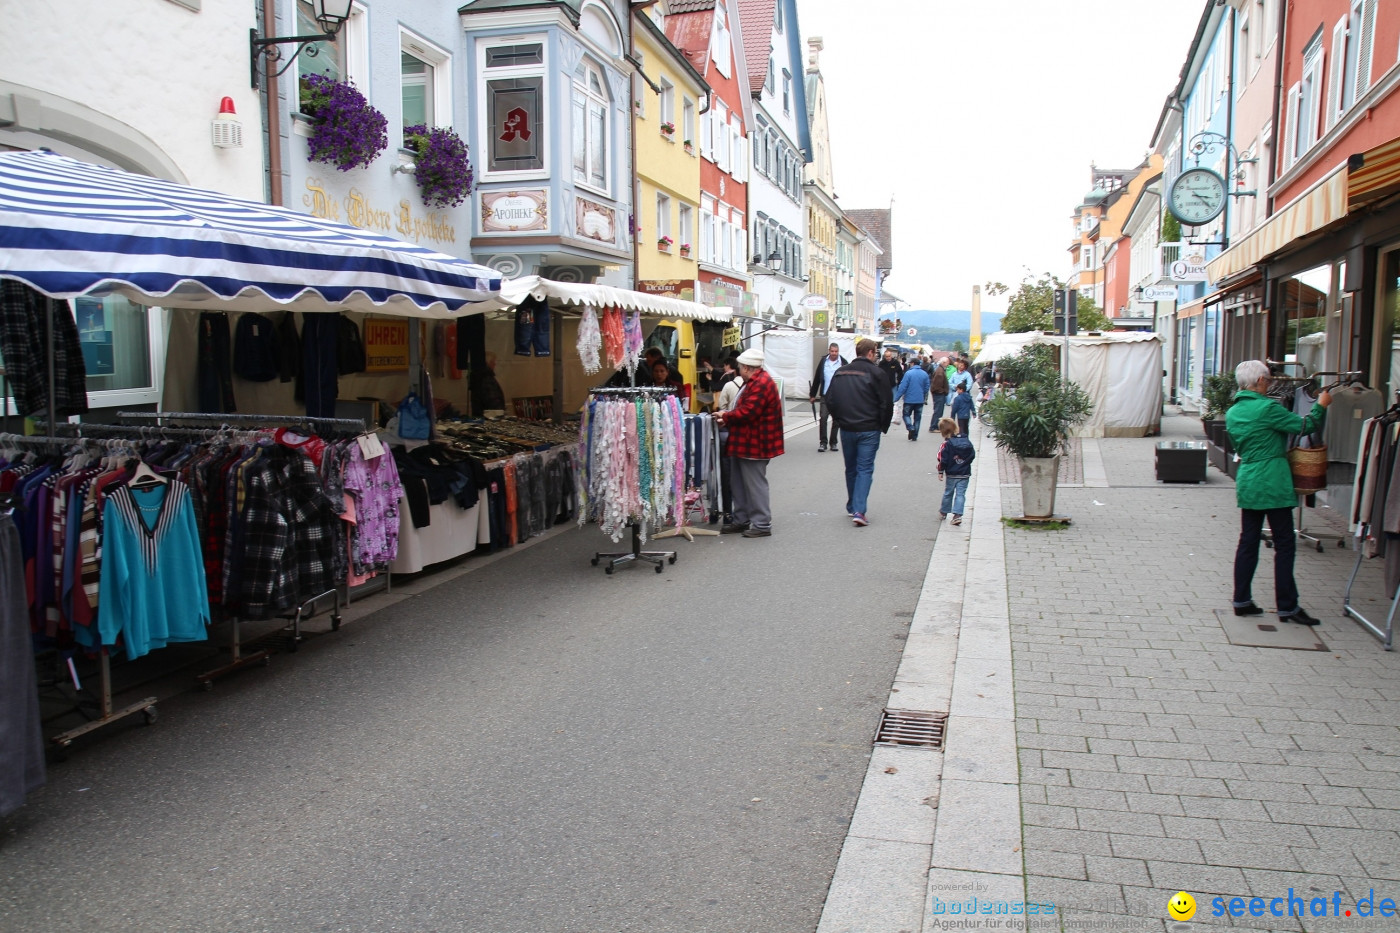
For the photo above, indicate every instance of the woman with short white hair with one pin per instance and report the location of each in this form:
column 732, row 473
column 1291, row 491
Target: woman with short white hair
column 1260, row 428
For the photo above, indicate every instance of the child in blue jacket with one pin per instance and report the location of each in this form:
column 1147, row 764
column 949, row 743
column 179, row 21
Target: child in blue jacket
column 954, row 467
column 962, row 408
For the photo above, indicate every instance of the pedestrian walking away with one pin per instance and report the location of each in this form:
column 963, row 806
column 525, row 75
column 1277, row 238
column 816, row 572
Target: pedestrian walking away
column 962, row 407
column 755, row 426
column 913, row 392
column 863, row 406
column 954, row 468
column 1259, row 428
column 938, row 393
column 821, row 378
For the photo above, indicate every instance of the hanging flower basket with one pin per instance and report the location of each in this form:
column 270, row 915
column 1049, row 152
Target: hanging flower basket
column 345, row 130
column 444, row 172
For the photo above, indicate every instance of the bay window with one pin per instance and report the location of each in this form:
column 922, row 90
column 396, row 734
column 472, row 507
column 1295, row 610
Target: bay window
column 590, row 127
column 513, row 93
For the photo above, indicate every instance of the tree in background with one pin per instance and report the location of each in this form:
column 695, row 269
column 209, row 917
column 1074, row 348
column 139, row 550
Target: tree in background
column 1032, row 306
column 1171, row 229
column 958, row 346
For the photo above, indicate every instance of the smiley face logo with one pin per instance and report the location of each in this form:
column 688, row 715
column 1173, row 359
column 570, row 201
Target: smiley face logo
column 1182, row 906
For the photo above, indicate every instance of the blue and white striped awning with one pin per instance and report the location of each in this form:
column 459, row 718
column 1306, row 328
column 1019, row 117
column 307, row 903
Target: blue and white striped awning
column 68, row 228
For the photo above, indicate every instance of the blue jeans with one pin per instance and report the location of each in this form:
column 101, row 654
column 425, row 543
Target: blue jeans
column 954, row 494
column 913, row 416
column 939, row 402
column 859, row 447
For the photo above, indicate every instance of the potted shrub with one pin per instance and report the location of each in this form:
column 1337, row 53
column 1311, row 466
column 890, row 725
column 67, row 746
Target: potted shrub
column 345, row 130
column 1033, row 425
column 1217, row 396
column 443, row 171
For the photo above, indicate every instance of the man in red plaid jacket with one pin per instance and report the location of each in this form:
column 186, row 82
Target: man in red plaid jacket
column 755, row 426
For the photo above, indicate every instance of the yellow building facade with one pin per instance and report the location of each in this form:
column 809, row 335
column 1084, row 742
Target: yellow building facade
column 665, row 117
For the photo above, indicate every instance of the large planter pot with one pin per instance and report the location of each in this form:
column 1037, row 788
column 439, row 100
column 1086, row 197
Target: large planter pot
column 1211, row 428
column 1038, row 479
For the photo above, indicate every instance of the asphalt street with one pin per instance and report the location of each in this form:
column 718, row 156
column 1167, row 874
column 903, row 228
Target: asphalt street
column 534, row 747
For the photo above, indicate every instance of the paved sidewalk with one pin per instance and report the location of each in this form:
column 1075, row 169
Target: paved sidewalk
column 1150, row 755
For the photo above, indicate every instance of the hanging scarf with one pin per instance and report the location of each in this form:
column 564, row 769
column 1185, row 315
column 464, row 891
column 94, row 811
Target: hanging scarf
column 590, row 341
column 614, row 341
column 632, row 329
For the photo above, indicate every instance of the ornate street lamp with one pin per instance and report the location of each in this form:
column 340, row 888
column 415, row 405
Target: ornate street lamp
column 330, row 15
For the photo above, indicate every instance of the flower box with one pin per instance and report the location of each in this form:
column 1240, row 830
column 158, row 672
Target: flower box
column 689, row 147
column 668, row 129
column 443, row 171
column 664, row 244
column 685, row 249
column 345, row 130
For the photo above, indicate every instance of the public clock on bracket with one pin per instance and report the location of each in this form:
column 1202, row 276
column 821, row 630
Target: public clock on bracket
column 1197, row 196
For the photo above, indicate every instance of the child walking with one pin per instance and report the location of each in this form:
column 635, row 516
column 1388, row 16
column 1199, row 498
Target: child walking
column 963, row 408
column 954, row 468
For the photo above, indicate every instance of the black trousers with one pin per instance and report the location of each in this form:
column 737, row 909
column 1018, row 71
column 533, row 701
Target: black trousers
column 1285, row 549
column 823, row 416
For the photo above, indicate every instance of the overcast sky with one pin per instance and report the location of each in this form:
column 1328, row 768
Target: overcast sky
column 981, row 120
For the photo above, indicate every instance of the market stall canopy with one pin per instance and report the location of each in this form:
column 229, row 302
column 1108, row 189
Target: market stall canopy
column 514, row 291
column 1000, row 345
column 68, row 228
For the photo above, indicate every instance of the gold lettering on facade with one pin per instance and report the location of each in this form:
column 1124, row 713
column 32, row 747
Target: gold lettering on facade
column 431, row 227
column 318, row 202
column 359, row 213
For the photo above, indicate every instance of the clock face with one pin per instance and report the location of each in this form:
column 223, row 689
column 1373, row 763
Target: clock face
column 1197, row 196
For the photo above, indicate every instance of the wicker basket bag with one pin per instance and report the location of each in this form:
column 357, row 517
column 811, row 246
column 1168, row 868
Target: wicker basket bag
column 1309, row 466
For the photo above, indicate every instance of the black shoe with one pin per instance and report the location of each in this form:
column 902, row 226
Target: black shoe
column 1250, row 610
column 736, row 528
column 834, row 448
column 821, row 448
column 1300, row 618
column 758, row 533
column 911, row 435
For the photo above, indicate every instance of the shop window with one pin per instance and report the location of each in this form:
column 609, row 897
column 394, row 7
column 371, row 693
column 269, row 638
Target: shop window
column 513, row 91
column 590, row 127
column 1303, row 309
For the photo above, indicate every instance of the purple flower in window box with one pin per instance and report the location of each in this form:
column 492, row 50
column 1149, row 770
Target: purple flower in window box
column 345, row 130
column 444, row 172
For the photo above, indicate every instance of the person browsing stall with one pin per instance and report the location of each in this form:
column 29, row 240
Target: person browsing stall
column 755, row 426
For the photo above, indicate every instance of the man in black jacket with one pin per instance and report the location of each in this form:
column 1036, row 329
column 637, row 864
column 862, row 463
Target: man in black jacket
column 821, row 378
column 862, row 403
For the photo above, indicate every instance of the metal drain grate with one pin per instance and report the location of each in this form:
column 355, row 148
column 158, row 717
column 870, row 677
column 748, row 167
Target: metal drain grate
column 913, row 729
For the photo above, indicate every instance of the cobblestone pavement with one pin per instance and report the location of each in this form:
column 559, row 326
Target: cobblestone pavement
column 1071, row 465
column 1157, row 757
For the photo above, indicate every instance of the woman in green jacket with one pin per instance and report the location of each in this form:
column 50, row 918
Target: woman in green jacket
column 1259, row 428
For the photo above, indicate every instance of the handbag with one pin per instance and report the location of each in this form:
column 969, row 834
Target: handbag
column 1309, row 466
column 413, row 418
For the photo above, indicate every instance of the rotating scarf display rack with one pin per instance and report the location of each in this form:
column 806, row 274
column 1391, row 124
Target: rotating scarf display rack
column 629, row 467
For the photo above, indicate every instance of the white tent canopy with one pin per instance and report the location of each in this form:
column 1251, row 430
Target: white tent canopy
column 514, row 291
column 1121, row 372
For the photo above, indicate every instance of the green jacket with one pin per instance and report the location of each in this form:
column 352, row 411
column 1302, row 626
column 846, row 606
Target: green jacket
column 1260, row 428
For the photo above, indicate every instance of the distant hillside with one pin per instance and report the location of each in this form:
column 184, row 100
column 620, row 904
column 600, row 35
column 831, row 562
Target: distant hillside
column 952, row 320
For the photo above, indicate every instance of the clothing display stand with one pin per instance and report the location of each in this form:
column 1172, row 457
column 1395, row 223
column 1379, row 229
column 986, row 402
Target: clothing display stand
column 237, row 659
column 1363, row 530
column 103, row 698
column 657, row 558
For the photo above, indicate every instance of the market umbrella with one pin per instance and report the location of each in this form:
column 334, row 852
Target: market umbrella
column 68, row 228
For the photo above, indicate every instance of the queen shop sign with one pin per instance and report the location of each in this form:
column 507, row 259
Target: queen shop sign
column 1190, row 266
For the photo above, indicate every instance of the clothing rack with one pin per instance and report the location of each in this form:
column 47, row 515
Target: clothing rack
column 1386, row 634
column 105, row 711
column 656, row 558
column 348, row 425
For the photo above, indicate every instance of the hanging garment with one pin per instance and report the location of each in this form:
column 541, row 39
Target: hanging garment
column 614, row 340
column 532, row 327
column 213, row 372
column 288, row 348
column 24, row 321
column 255, row 354
column 632, row 333
column 471, row 342
column 153, row 590
column 1351, row 407
column 590, row 341
column 320, row 334
column 21, row 734
column 349, row 347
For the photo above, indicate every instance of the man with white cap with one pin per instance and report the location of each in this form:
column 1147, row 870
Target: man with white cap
column 755, row 426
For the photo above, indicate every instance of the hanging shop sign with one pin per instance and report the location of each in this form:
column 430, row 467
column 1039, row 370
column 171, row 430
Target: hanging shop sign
column 1159, row 293
column 731, row 336
column 595, row 221
column 359, row 210
column 1190, row 266
column 514, row 211
column 672, row 288
column 386, row 345
column 726, row 295
column 814, row 302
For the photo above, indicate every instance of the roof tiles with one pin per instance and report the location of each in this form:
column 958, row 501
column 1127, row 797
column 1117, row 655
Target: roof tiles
column 756, row 19
column 877, row 222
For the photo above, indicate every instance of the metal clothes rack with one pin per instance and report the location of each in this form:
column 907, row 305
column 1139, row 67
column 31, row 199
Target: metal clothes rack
column 1386, row 634
column 657, row 558
column 347, row 425
column 106, row 713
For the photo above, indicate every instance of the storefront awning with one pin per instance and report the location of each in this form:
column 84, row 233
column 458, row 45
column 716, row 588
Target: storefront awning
column 514, row 291
column 68, row 228
column 1323, row 204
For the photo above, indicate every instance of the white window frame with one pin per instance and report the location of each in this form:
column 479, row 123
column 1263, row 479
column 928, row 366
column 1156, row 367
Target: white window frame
column 721, row 137
column 1364, row 12
column 354, row 34
column 546, row 124
column 577, row 86
column 663, row 215
column 1308, row 107
column 440, row 60
column 741, row 246
column 684, row 225
column 667, row 105
column 688, row 120
column 787, row 91
column 739, row 146
column 707, row 134
column 707, row 237
column 722, row 42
